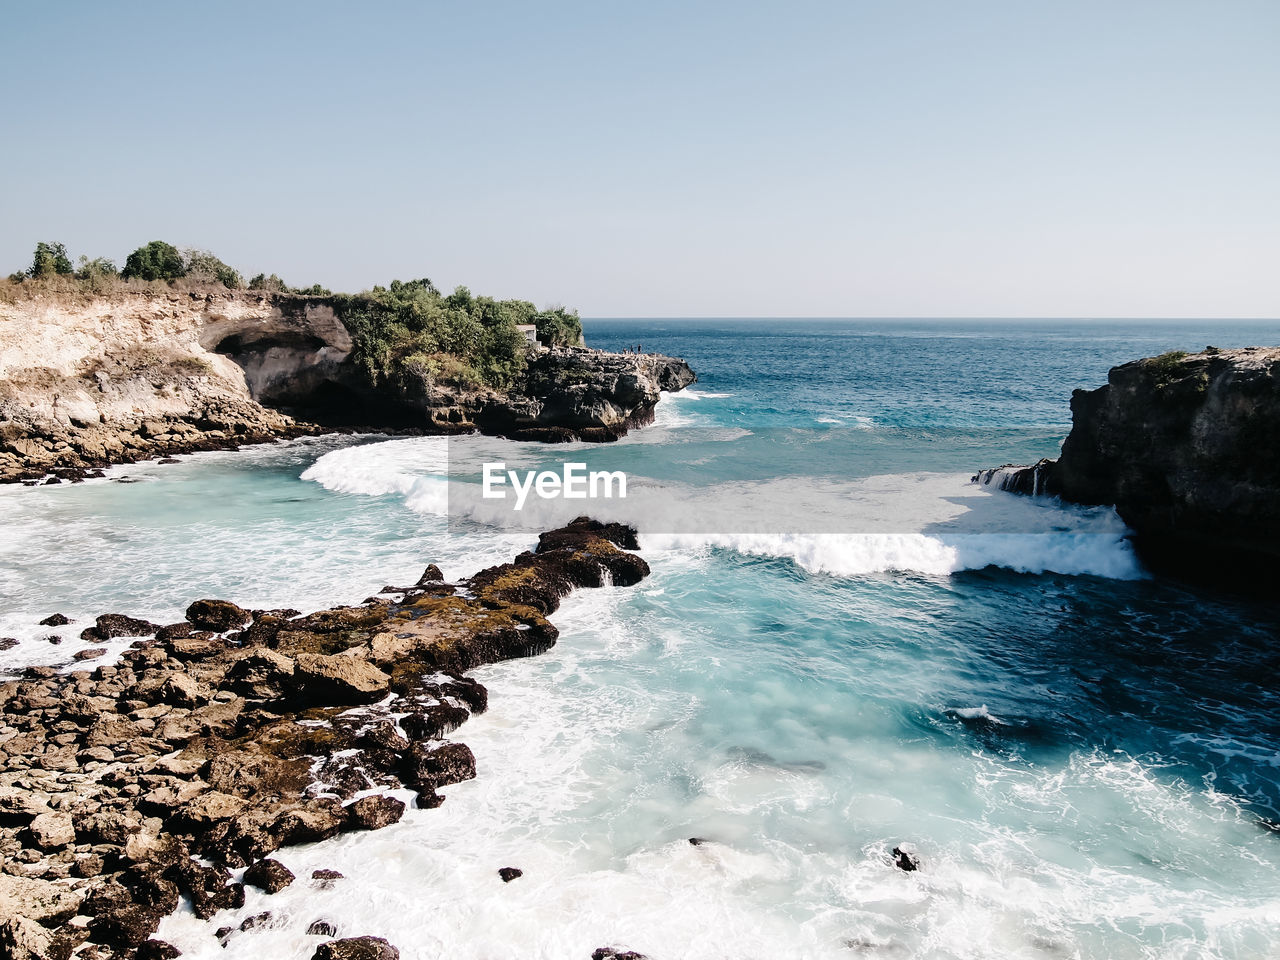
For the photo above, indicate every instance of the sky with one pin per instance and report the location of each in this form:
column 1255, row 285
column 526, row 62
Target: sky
column 852, row 158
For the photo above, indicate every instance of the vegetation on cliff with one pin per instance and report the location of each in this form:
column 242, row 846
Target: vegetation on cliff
column 406, row 334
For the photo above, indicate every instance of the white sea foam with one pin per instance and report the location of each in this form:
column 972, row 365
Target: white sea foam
column 935, row 524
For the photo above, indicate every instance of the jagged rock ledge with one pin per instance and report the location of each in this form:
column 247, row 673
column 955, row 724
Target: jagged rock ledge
column 1186, row 448
column 143, row 375
column 215, row 741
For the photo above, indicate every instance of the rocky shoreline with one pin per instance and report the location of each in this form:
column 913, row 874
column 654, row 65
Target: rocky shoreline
column 1184, row 446
column 147, row 375
column 215, row 741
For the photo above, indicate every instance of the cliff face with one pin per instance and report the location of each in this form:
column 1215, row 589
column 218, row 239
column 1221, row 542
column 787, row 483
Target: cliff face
column 1187, row 447
column 129, row 377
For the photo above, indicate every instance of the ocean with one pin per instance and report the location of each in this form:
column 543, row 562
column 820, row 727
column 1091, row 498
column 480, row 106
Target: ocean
column 844, row 647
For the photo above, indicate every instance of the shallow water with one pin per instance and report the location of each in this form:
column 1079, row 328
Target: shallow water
column 1083, row 758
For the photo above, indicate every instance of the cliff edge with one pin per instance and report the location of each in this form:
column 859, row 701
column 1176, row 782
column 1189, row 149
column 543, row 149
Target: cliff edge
column 1187, row 448
column 89, row 382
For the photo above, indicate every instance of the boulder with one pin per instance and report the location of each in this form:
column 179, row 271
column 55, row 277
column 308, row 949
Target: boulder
column 55, row 620
column 431, row 575
column 51, row 831
column 157, row 950
column 338, row 679
column 325, row 879
column 41, row 900
column 112, row 625
column 23, row 939
column 261, row 673
column 217, row 615
column 269, row 875
column 510, row 873
column 432, row 767
column 374, row 813
column 356, row 948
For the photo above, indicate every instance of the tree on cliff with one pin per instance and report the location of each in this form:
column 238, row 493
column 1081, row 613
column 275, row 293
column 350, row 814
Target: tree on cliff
column 50, row 258
column 156, row 261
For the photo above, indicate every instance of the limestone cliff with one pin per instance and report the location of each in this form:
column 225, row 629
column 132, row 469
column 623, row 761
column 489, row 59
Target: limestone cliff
column 115, row 379
column 1187, row 448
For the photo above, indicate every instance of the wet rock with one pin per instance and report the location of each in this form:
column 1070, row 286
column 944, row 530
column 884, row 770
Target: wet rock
column 269, row 875
column 440, row 766
column 112, row 625
column 157, row 950
column 324, row 879
column 469, row 691
column 431, row 575
column 904, row 860
column 510, row 873
column 356, row 948
column 55, row 620
column 217, row 615
column 322, row 928
column 698, row 841
column 616, row 953
column 92, row 653
column 208, row 888
column 257, row 920
column 8, row 643
column 434, row 722
column 374, row 812
column 124, row 927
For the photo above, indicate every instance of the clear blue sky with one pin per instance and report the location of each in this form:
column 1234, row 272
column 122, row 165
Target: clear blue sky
column 856, row 158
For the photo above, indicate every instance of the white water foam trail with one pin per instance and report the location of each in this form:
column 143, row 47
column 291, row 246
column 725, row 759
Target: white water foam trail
column 935, row 524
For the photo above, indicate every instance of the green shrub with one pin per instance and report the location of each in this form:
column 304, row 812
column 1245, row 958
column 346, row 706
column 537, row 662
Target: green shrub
column 558, row 327
column 156, row 261
column 50, row 259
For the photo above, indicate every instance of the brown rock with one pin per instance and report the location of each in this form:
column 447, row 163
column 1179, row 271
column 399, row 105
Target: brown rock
column 51, row 831
column 269, row 875
column 112, row 625
column 23, row 939
column 217, row 615
column 338, row 679
column 374, row 812
column 356, row 948
column 157, row 950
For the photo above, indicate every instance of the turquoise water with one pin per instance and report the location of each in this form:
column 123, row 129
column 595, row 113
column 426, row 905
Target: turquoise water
column 1084, row 758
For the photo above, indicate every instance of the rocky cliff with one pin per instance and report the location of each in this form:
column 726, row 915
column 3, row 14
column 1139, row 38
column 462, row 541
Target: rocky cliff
column 1187, row 447
column 121, row 378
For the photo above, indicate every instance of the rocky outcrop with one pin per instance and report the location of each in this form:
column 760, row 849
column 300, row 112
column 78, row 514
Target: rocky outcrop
column 149, row 375
column 1185, row 447
column 127, row 788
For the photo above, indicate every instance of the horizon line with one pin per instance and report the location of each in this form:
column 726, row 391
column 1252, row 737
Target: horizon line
column 1074, row 319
